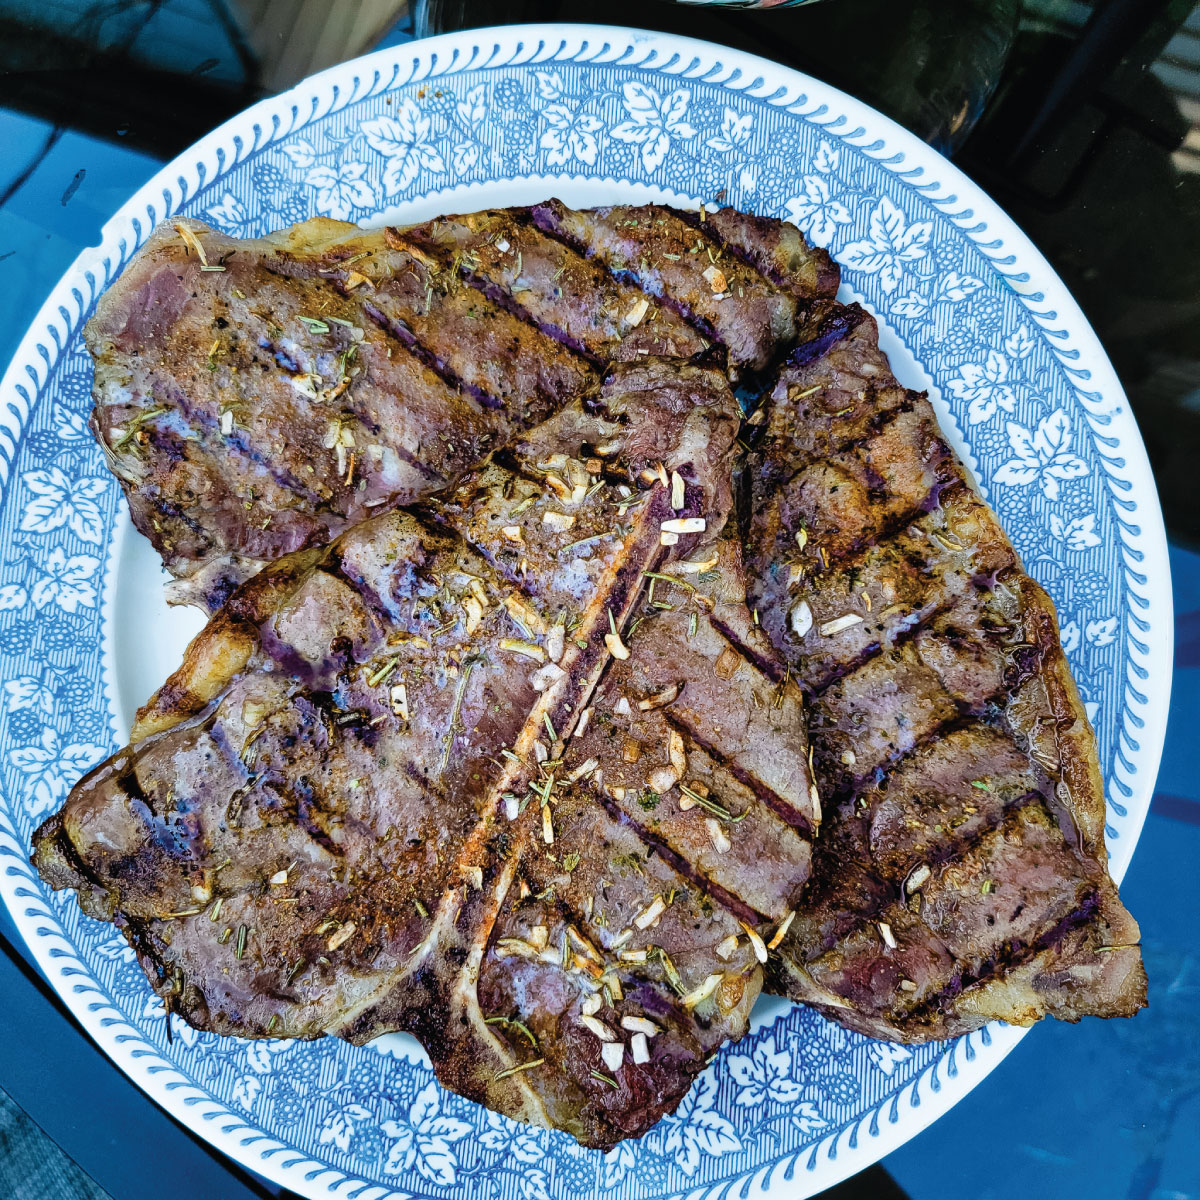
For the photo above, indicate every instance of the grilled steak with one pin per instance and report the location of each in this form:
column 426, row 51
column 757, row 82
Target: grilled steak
column 960, row 875
column 461, row 772
column 257, row 397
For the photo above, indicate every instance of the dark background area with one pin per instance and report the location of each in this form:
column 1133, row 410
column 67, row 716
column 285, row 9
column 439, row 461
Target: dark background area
column 1081, row 117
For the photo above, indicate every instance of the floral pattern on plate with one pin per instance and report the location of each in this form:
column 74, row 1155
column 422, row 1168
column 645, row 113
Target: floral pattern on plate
column 800, row 1103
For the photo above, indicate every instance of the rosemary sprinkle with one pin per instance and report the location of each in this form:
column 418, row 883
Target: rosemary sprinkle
column 525, row 1066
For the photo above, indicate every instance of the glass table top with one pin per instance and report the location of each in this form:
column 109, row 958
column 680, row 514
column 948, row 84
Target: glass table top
column 1081, row 118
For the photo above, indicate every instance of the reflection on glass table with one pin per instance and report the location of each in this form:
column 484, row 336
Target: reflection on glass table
column 1082, row 118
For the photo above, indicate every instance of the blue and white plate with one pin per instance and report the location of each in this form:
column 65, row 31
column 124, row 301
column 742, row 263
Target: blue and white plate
column 969, row 310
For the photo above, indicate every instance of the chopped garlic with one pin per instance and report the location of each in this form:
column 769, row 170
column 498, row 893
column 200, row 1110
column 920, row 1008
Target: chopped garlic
column 583, row 770
column 399, row 700
column 306, row 384
column 584, row 719
column 838, row 624
column 516, row 948
column 663, row 779
column 637, row 312
column 642, row 1025
column 701, row 993
column 546, row 677
column 660, row 699
column 252, row 713
column 591, row 1006
column 917, row 878
column 524, row 614
column 677, row 491
column 558, row 521
column 802, row 618
column 717, row 835
column 616, row 647
column 889, row 938
column 650, row 913
column 781, row 932
column 760, row 947
column 613, row 1054
column 639, row 1048
column 478, row 591
column 728, row 948
column 341, row 936
column 694, row 566
column 602, row 1031
column 675, row 753
column 584, row 944
column 684, row 525
column 716, row 279
column 474, row 611
column 279, row 878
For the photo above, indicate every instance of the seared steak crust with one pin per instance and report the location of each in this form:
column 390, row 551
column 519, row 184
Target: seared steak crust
column 514, row 768
column 394, row 785
column 960, row 875
column 685, row 265
column 258, row 396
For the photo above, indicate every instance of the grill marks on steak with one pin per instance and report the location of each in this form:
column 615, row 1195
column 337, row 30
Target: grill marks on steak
column 325, row 372
column 960, row 874
column 482, row 347
column 571, row 298
column 236, row 429
column 731, row 725
column 371, row 800
column 686, row 267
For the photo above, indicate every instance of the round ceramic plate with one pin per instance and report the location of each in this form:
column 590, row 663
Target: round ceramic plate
column 969, row 311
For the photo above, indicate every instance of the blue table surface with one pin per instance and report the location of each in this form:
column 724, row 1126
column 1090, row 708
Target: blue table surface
column 1105, row 1109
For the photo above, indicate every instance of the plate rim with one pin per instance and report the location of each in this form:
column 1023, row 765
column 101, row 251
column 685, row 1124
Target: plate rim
column 336, row 88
